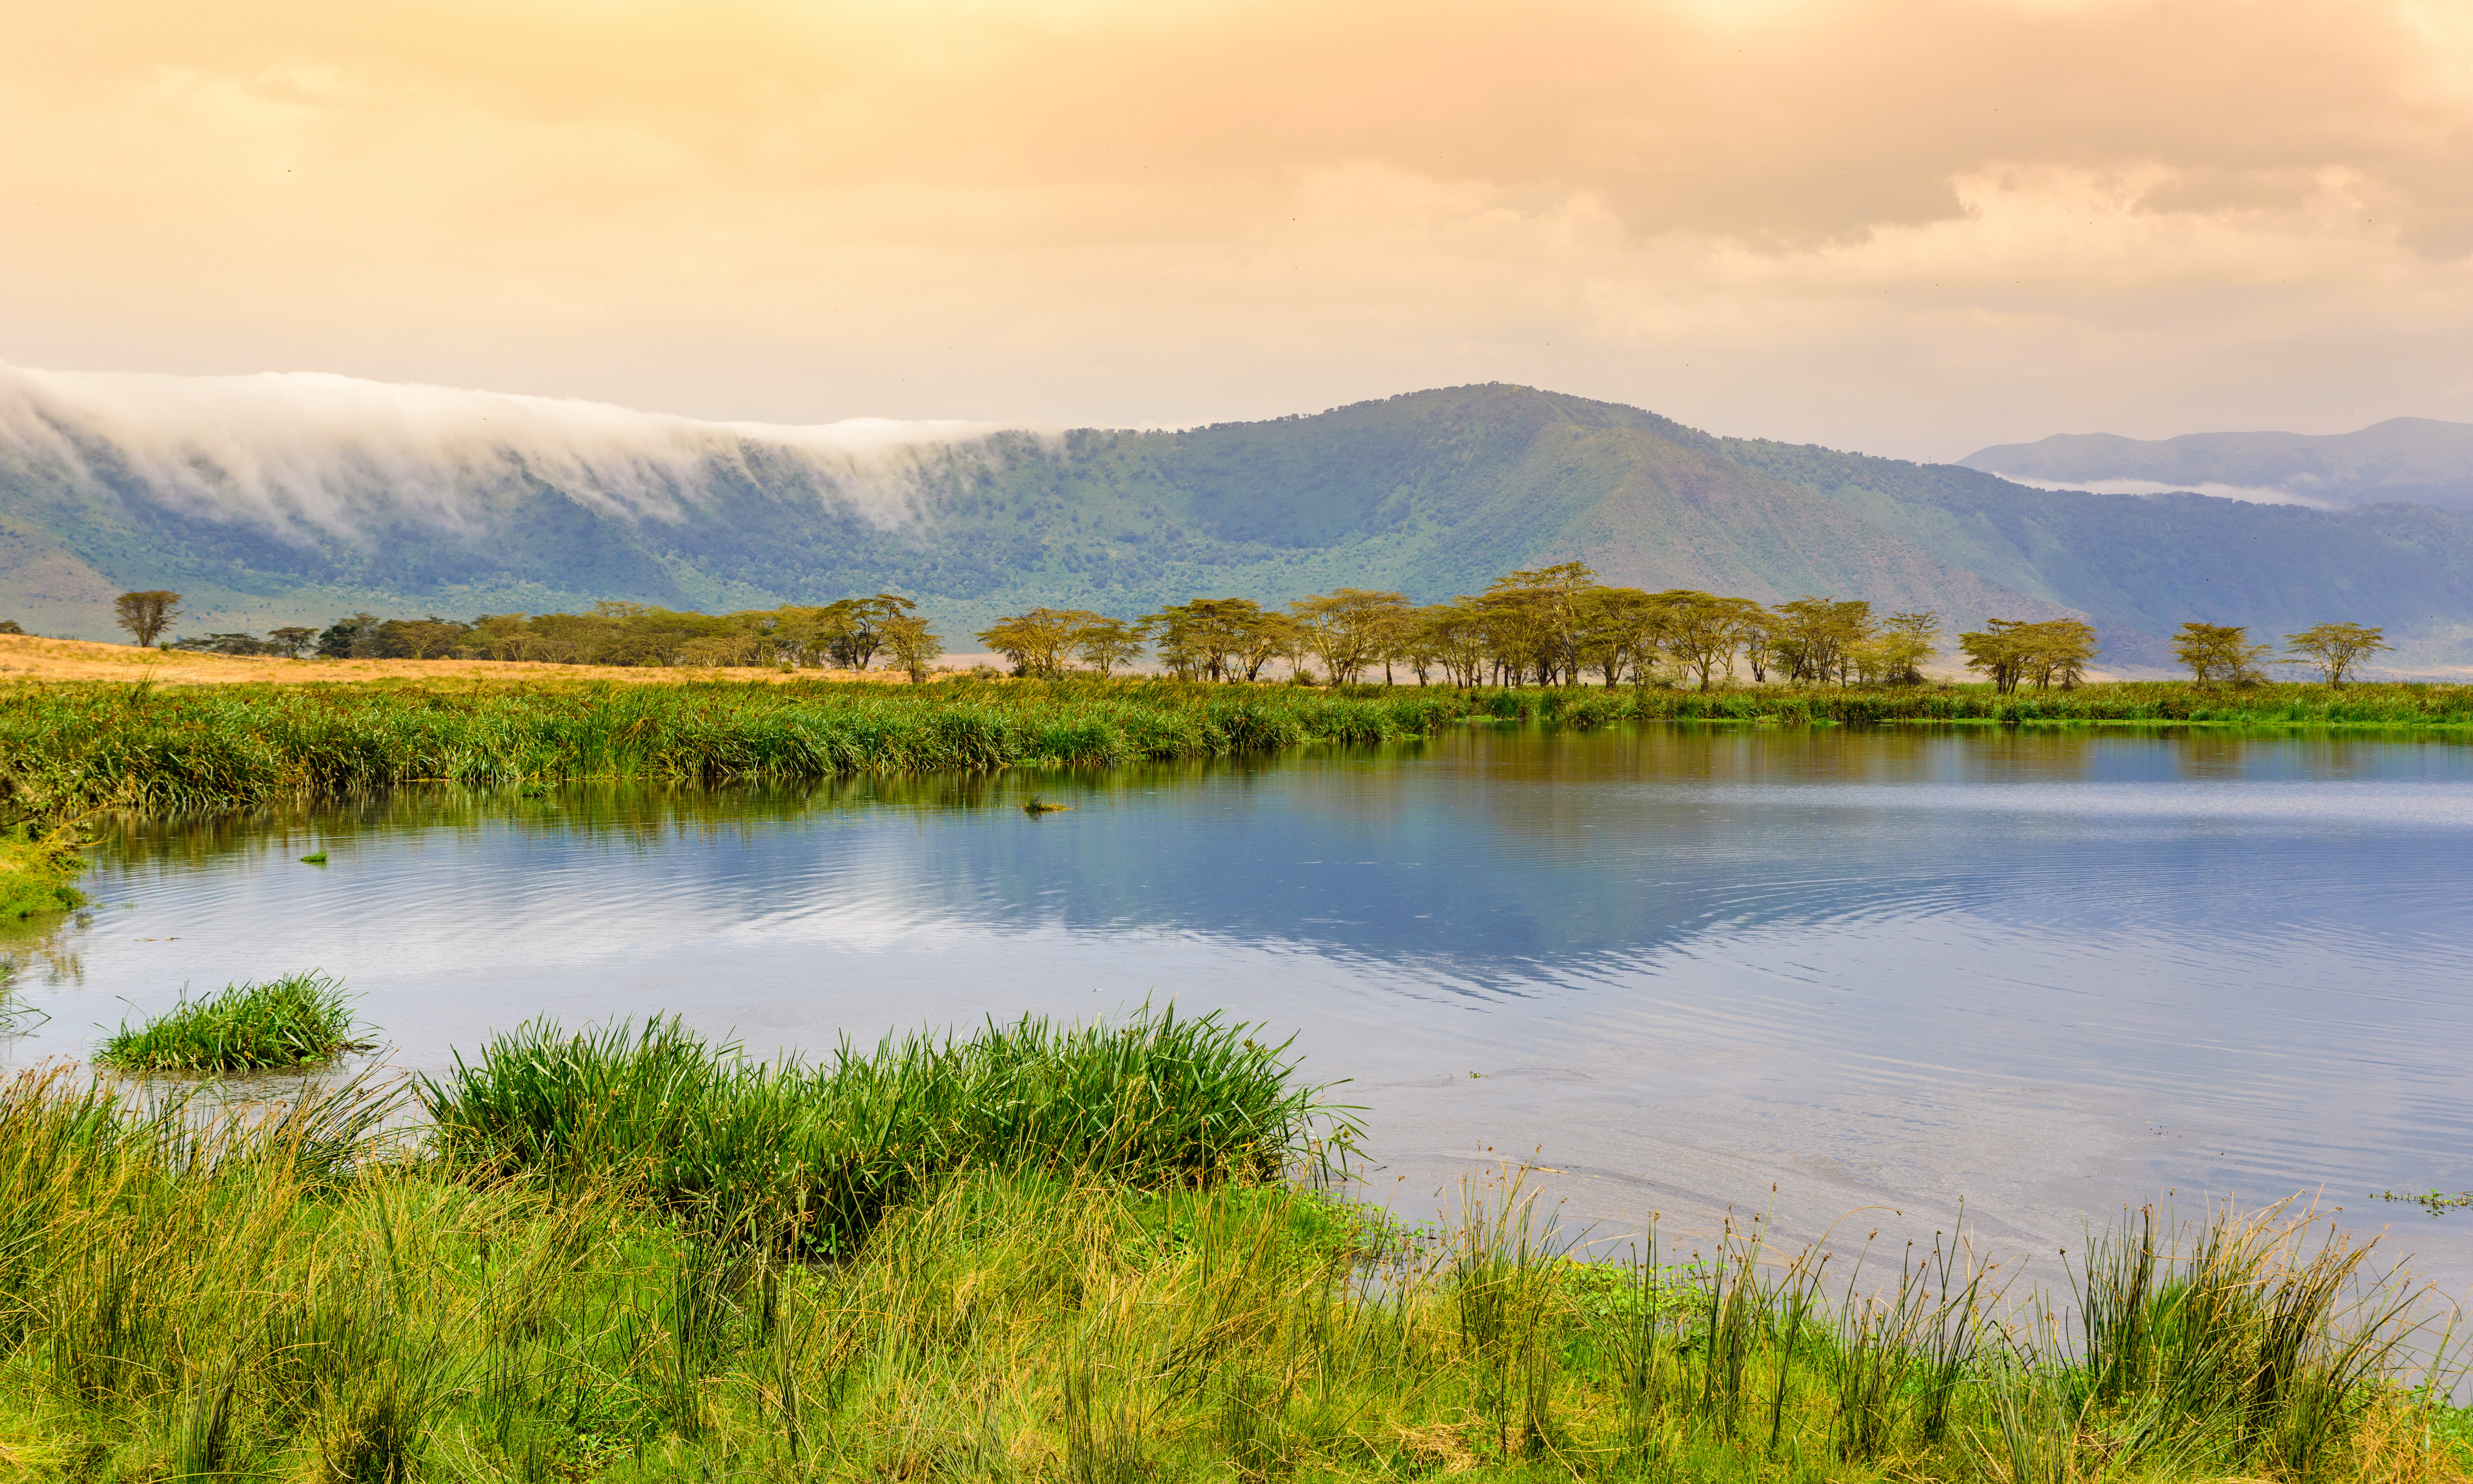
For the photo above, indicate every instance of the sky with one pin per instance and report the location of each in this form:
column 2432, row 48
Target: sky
column 1908, row 226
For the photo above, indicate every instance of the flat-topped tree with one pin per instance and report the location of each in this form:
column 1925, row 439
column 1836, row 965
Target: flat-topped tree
column 2334, row 650
column 2217, row 653
column 146, row 614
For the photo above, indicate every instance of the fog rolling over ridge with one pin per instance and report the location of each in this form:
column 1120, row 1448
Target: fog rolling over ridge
column 295, row 498
column 2418, row 461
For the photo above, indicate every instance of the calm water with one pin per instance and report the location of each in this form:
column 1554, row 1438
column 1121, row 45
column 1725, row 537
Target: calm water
column 1884, row 971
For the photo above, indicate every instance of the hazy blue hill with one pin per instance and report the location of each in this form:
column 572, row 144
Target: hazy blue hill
column 2140, row 565
column 2420, row 460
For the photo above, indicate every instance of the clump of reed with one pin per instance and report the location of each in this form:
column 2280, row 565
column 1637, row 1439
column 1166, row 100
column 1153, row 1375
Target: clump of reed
column 36, row 867
column 282, row 1291
column 299, row 1021
column 817, row 1154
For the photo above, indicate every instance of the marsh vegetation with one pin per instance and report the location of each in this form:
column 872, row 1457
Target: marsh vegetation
column 1072, row 1254
column 299, row 1020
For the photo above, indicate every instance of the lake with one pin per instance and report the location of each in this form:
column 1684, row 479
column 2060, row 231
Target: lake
column 2040, row 972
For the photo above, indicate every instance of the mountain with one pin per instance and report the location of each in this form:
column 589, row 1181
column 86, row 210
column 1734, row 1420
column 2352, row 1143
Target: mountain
column 2141, row 565
column 274, row 499
column 284, row 498
column 2415, row 460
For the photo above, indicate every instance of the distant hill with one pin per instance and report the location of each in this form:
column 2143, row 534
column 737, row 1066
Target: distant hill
column 280, row 500
column 2415, row 460
column 2141, row 565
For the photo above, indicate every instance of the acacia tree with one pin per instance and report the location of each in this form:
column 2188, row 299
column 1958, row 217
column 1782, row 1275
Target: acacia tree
column 290, row 640
column 1202, row 639
column 1909, row 640
column 146, row 614
column 1702, row 630
column 1617, row 632
column 2218, row 653
column 1348, row 630
column 1037, row 641
column 1813, row 635
column 1453, row 635
column 1105, row 644
column 2011, row 650
column 909, row 644
column 2335, row 649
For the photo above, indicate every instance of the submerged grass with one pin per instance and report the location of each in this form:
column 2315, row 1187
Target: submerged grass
column 282, row 1293
column 299, row 1021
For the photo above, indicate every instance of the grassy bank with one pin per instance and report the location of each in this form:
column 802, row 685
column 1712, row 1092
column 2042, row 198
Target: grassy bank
column 1087, row 1274
column 2151, row 701
column 66, row 749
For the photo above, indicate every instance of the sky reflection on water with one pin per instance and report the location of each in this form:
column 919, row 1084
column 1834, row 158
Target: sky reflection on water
column 2045, row 971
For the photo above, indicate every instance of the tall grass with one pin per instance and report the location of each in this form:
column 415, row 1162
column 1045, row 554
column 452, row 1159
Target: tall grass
column 818, row 1154
column 69, row 748
column 280, row 1292
column 299, row 1021
column 2157, row 702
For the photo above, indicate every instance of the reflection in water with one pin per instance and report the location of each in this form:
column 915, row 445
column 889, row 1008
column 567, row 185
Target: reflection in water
column 2045, row 972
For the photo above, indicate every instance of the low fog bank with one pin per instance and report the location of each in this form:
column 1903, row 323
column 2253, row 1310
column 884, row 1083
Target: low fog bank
column 308, row 455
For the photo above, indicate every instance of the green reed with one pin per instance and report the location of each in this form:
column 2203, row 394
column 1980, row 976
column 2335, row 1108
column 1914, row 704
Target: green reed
column 299, row 1021
column 817, row 1154
column 69, row 748
column 285, row 1290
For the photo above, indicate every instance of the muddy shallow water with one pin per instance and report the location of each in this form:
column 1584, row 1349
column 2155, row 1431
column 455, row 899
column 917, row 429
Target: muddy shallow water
column 1884, row 971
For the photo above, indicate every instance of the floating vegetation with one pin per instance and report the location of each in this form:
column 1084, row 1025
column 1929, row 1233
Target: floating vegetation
column 2436, row 1202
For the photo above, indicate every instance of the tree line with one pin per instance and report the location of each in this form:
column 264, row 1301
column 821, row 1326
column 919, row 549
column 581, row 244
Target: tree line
column 1548, row 626
column 1552, row 625
column 852, row 634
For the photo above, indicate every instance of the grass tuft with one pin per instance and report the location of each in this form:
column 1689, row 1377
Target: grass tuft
column 817, row 1154
column 301, row 1021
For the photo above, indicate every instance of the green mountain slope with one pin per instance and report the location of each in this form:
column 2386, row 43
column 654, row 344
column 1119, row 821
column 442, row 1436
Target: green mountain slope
column 420, row 500
column 1434, row 494
column 2140, row 565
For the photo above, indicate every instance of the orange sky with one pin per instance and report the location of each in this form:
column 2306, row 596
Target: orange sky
column 1912, row 228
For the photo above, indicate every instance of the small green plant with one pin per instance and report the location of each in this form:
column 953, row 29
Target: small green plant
column 299, row 1020
column 2436, row 1202
column 314, row 858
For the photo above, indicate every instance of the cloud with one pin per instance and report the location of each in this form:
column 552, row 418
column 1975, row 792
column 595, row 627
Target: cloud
column 1913, row 223
column 305, row 453
column 2249, row 493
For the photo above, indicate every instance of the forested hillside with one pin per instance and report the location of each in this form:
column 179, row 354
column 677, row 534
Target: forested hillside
column 2139, row 566
column 486, row 504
